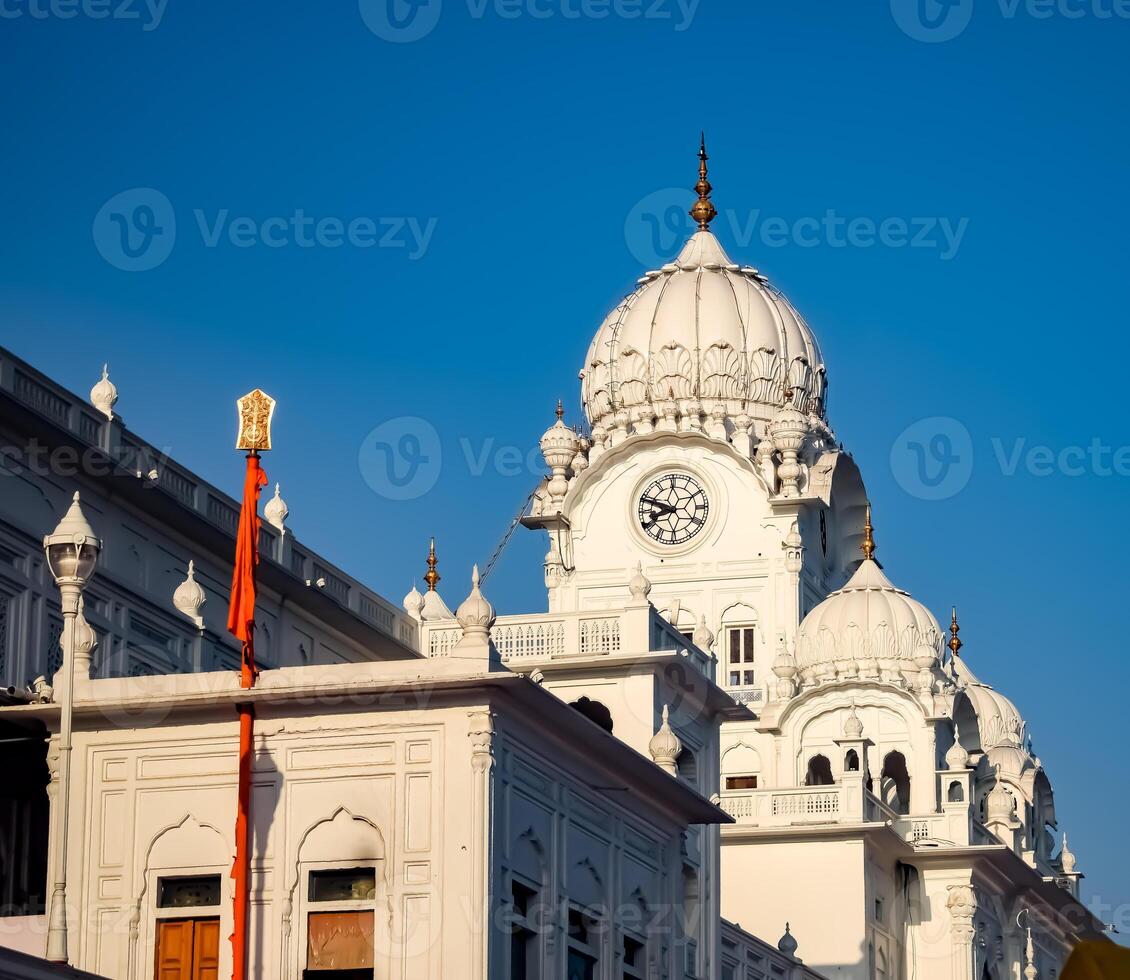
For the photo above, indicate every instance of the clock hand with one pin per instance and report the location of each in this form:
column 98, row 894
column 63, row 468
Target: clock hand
column 658, row 510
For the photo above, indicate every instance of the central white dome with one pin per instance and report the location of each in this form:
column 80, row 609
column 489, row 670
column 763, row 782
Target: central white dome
column 712, row 336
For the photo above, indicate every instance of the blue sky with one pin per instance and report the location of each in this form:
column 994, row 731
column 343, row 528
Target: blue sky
column 949, row 212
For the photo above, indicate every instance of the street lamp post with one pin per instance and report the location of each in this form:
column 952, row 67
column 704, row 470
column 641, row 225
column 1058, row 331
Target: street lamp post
column 72, row 551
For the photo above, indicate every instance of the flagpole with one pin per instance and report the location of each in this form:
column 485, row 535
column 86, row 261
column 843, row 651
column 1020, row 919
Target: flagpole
column 255, row 412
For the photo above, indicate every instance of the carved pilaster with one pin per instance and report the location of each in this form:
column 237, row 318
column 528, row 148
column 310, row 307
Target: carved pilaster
column 962, row 905
column 481, row 733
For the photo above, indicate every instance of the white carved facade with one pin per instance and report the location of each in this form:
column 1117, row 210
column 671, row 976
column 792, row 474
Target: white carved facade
column 884, row 800
column 728, row 719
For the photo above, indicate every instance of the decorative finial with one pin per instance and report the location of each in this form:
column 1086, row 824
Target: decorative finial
column 787, row 944
column 560, row 410
column 103, row 395
column 1066, row 858
column 276, row 511
column 868, row 537
column 665, row 746
column 955, row 643
column 255, row 411
column 639, row 585
column 1030, row 971
column 703, row 210
column 475, row 614
column 190, row 596
column 432, row 576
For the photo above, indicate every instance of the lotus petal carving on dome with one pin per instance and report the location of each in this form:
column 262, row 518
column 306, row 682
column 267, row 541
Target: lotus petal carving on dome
column 710, row 331
column 765, row 375
column 723, row 373
column 631, row 370
column 672, row 372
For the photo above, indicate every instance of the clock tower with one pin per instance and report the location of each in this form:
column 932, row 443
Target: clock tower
column 708, row 458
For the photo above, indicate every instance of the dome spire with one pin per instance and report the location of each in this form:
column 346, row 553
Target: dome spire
column 868, row 545
column 955, row 643
column 432, row 576
column 703, row 210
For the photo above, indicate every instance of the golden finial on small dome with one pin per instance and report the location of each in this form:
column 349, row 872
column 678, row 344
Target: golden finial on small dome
column 703, row 211
column 868, row 537
column 432, row 576
column 560, row 412
column 955, row 643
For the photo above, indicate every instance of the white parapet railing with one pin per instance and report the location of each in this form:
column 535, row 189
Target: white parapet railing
column 844, row 802
column 746, row 955
column 554, row 636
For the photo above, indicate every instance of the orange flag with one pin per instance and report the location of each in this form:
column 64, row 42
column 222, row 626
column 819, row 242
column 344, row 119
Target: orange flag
column 241, row 612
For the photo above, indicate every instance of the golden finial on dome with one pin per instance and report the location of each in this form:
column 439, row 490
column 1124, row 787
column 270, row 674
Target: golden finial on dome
column 703, row 211
column 432, row 576
column 955, row 643
column 560, row 412
column 868, row 537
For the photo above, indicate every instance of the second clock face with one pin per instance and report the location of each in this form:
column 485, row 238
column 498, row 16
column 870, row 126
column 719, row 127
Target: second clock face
column 673, row 508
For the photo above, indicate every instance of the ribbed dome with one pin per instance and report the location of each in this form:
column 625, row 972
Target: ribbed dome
column 706, row 332
column 868, row 628
column 1000, row 723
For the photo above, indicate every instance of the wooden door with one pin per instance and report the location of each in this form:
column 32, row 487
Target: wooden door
column 206, row 950
column 188, row 949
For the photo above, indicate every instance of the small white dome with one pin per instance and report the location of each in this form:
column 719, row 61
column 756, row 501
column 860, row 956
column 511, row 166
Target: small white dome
column 104, row 394
column 868, row 628
column 704, row 330
column 665, row 746
column 475, row 613
column 189, row 596
column 999, row 722
column 276, row 511
column 413, row 602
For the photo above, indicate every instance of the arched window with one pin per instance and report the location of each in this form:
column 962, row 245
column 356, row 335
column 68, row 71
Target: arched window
column 851, row 761
column 956, row 793
column 819, row 772
column 594, row 711
column 894, row 783
column 741, row 767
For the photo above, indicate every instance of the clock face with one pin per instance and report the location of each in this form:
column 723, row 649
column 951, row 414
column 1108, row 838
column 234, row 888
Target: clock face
column 673, row 508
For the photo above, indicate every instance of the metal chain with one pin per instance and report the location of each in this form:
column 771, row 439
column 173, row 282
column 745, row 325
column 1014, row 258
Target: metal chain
column 508, row 535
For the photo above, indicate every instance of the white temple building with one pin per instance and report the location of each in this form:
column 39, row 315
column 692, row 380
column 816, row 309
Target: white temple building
column 729, row 725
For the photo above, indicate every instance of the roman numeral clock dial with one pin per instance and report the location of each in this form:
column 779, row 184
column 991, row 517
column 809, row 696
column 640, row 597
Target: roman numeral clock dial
column 673, row 508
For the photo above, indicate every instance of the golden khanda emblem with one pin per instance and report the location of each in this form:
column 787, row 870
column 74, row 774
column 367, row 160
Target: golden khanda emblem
column 255, row 410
